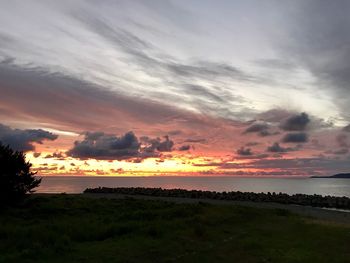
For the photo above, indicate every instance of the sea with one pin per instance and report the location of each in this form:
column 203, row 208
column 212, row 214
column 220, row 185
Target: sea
column 320, row 186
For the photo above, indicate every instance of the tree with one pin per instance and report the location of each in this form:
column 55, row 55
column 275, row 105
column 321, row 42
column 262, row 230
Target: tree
column 16, row 178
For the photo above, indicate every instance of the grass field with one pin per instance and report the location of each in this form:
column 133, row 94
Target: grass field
column 65, row 228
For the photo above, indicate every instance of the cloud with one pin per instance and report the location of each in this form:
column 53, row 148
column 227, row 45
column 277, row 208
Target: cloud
column 295, row 138
column 252, row 143
column 318, row 37
column 196, row 140
column 277, row 64
column 260, row 128
column 24, row 140
column 252, row 156
column 144, row 80
column 132, row 41
column 175, row 132
column 166, row 145
column 257, row 127
column 284, row 166
column 180, row 76
column 185, row 147
column 276, row 148
column 347, row 128
column 56, row 155
column 98, row 145
column 342, row 140
column 244, row 151
column 47, row 92
column 274, row 115
column 289, row 120
column 296, row 122
column 102, row 146
column 157, row 144
column 340, row 151
column 292, row 166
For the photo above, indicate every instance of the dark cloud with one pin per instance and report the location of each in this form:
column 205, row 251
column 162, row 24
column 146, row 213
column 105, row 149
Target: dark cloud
column 318, row 39
column 175, row 132
column 260, row 173
column 24, row 140
column 36, row 154
column 244, row 151
column 102, row 146
column 164, row 146
column 185, row 147
column 317, row 144
column 274, row 115
column 252, row 156
column 259, row 128
column 208, row 164
column 196, row 140
column 252, row 144
column 293, row 121
column 157, row 144
column 47, row 92
column 98, row 145
column 212, row 100
column 342, row 140
column 296, row 166
column 276, row 148
column 347, row 128
column 296, row 122
column 340, row 151
column 93, row 136
column 56, row 155
column 300, row 137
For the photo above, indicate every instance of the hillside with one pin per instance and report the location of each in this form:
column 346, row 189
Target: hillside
column 341, row 175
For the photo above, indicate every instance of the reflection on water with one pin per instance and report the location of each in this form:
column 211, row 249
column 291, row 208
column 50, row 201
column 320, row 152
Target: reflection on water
column 77, row 184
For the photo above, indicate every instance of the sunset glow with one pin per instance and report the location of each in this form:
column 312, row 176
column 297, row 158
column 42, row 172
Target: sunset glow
column 142, row 88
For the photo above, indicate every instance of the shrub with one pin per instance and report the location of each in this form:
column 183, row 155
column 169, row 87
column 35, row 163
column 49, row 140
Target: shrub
column 16, row 178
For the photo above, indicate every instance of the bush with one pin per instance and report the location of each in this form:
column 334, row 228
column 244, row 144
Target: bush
column 16, row 178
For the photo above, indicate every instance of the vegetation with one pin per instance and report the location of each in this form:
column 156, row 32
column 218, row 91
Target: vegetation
column 68, row 228
column 297, row 199
column 336, row 176
column 16, row 178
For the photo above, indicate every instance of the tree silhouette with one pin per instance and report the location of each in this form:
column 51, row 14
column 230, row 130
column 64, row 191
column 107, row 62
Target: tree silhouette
column 16, row 178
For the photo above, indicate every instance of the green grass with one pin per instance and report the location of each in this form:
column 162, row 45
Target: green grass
column 67, row 228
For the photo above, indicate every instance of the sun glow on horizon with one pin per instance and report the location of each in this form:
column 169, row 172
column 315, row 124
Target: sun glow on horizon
column 146, row 167
column 180, row 165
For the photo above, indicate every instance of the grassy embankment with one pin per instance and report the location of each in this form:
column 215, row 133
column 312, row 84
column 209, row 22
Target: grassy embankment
column 66, row 228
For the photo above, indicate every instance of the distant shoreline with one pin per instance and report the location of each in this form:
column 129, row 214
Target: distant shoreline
column 281, row 198
column 336, row 176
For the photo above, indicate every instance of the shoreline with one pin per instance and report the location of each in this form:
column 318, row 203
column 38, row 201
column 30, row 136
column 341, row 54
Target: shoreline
column 332, row 215
column 291, row 186
column 324, row 214
column 281, row 198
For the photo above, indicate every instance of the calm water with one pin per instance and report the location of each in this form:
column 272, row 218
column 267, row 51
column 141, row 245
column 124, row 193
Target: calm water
column 77, row 184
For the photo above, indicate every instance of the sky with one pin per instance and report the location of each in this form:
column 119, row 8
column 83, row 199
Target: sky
column 160, row 87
